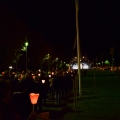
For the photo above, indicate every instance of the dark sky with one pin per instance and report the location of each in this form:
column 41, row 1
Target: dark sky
column 99, row 23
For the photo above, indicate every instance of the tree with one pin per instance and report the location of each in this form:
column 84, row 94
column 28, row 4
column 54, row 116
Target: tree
column 12, row 34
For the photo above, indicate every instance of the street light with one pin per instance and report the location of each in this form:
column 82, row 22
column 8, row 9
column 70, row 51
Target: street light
column 26, row 44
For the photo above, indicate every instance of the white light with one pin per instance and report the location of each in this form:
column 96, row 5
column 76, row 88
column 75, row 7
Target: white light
column 10, row 67
column 39, row 75
column 49, row 75
column 82, row 66
column 43, row 81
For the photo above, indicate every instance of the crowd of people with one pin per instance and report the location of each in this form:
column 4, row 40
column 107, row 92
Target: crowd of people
column 15, row 101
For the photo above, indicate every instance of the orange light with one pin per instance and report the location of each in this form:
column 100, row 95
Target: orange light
column 33, row 76
column 13, row 72
column 3, row 73
column 52, row 73
column 34, row 98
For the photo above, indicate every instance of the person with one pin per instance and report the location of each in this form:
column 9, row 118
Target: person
column 21, row 100
column 44, row 87
column 57, row 86
column 7, row 111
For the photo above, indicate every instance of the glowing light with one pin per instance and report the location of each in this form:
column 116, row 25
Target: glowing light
column 34, row 98
column 107, row 62
column 52, row 73
column 49, row 75
column 26, row 44
column 43, row 81
column 56, row 59
column 39, row 75
column 33, row 77
column 10, row 67
column 13, row 72
column 82, row 66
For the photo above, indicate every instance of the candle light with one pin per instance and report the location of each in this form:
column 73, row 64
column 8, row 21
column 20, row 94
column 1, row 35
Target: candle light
column 49, row 75
column 39, row 75
column 34, row 98
column 43, row 81
column 52, row 73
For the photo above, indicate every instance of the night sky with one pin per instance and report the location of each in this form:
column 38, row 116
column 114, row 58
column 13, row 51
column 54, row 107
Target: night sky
column 99, row 24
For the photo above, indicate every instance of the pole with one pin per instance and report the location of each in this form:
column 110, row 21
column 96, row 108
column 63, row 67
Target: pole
column 26, row 58
column 33, row 107
column 78, row 47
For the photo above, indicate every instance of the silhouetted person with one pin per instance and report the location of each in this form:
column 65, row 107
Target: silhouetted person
column 21, row 100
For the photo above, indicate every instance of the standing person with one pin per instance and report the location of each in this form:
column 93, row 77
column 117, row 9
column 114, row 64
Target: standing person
column 21, row 100
column 39, row 90
column 30, row 83
column 45, row 86
column 57, row 86
column 7, row 111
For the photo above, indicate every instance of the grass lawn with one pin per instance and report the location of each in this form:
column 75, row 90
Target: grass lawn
column 100, row 98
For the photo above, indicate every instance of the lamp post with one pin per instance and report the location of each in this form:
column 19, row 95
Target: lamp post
column 26, row 44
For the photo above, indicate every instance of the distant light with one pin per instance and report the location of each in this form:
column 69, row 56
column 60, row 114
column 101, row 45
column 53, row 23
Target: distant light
column 49, row 76
column 107, row 62
column 82, row 66
column 39, row 75
column 52, row 73
column 43, row 81
column 26, row 44
column 3, row 73
column 33, row 76
column 13, row 72
column 10, row 67
column 56, row 59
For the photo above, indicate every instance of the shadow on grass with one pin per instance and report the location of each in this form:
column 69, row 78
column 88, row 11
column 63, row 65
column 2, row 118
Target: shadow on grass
column 89, row 93
column 55, row 115
column 83, row 98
